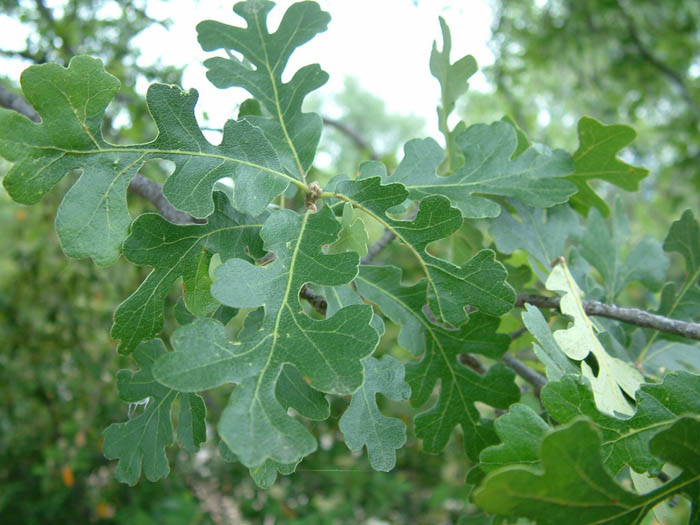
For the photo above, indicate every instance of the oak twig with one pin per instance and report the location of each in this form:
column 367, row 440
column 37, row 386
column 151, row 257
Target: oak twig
column 533, row 377
column 317, row 301
column 378, row 246
column 353, row 135
column 628, row 315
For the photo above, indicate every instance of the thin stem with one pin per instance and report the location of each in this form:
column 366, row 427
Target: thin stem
column 628, row 315
column 533, row 377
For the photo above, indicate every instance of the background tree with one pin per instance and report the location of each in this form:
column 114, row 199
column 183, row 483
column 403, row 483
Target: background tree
column 636, row 63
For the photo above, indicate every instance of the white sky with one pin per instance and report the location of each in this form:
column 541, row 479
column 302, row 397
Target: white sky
column 384, row 43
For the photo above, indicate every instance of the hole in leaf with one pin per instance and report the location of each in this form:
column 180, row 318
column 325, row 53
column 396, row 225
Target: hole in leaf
column 593, row 363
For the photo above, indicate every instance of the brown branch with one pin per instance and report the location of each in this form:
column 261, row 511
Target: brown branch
column 472, row 362
column 628, row 315
column 153, row 193
column 140, row 185
column 317, row 301
column 353, row 135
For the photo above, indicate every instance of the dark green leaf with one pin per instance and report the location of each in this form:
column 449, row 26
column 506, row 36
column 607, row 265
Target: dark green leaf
column 574, row 487
column 142, row 439
column 460, row 387
column 596, row 158
column 174, row 251
column 480, row 282
column 93, row 220
column 327, row 353
column 520, row 431
column 453, row 80
column 626, row 441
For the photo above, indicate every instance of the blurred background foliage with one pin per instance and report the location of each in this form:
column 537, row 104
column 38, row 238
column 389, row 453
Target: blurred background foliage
column 636, row 63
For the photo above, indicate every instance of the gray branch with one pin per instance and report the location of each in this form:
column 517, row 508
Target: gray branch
column 378, row 246
column 533, row 377
column 628, row 315
column 353, row 135
column 140, row 185
column 317, row 301
column 12, row 101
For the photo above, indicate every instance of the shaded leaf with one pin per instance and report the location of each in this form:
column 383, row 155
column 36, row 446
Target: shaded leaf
column 626, row 441
column 684, row 238
column 293, row 391
column 363, row 424
column 668, row 356
column 460, row 387
column 174, row 251
column 191, row 423
column 265, row 475
column 541, row 233
column 141, row 441
column 534, row 177
column 573, row 486
column 596, row 158
column 602, row 248
column 93, row 221
column 557, row 364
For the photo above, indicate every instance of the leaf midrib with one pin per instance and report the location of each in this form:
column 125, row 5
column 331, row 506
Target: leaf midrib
column 159, row 151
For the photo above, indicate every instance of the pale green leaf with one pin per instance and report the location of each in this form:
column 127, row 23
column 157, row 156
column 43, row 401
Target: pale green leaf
column 353, row 236
column 363, row 424
column 614, row 377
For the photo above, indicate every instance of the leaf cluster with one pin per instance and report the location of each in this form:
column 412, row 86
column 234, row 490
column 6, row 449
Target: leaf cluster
column 515, row 208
